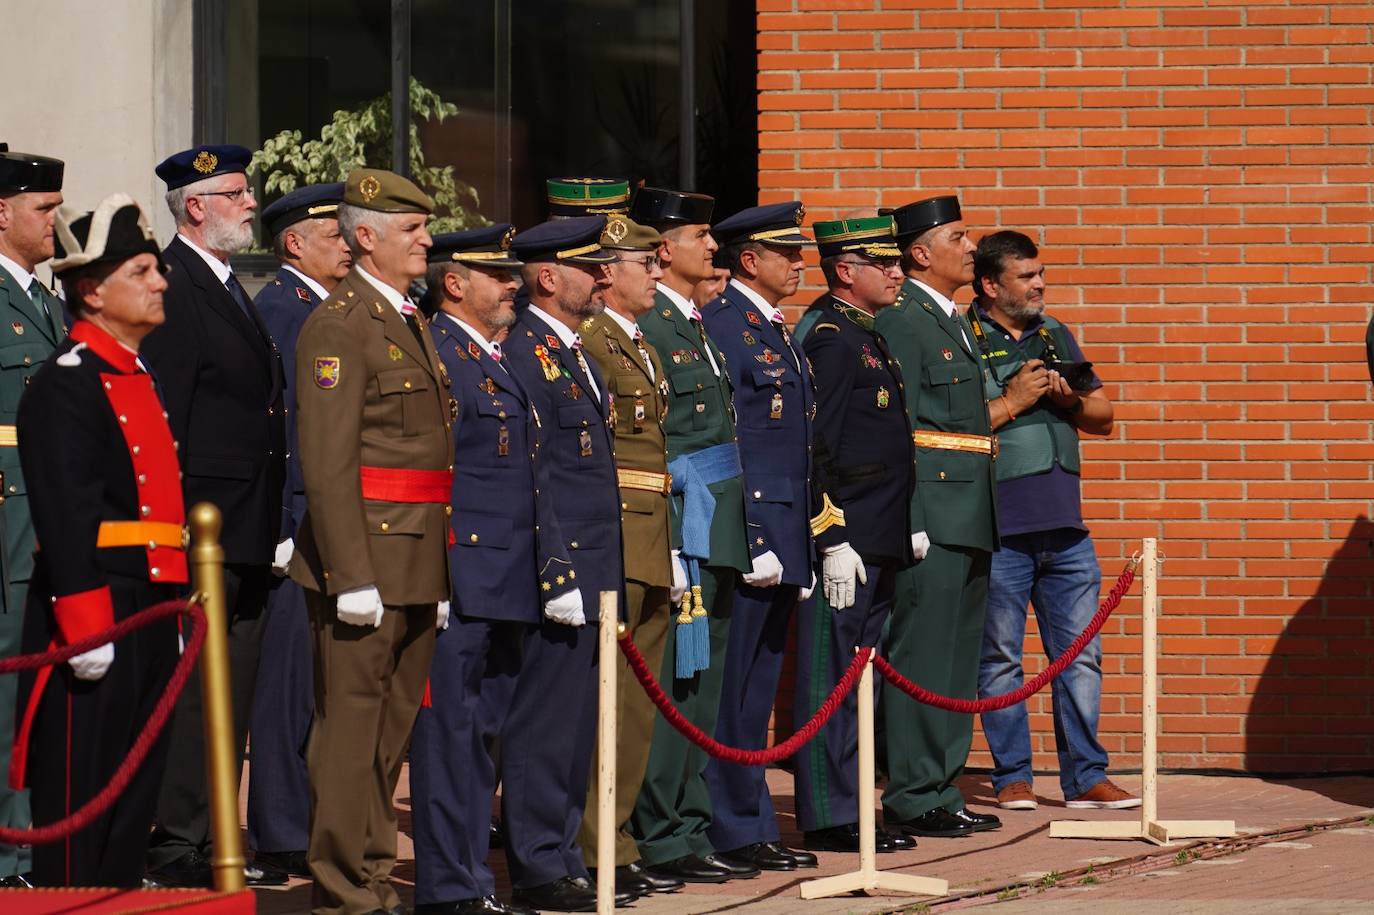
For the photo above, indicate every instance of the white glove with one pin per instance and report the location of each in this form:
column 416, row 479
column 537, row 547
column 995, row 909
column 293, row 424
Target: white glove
column 93, row 664
column 842, row 571
column 285, row 550
column 806, row 592
column 361, row 606
column 566, row 609
column 767, row 571
column 679, row 587
column 441, row 621
column 920, row 545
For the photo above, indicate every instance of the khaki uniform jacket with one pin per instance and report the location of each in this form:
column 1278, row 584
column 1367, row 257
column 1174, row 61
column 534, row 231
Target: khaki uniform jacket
column 368, row 393
column 640, row 406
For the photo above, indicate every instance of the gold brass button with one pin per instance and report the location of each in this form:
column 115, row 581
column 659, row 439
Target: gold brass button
column 407, row 385
column 385, row 526
column 942, row 474
column 472, row 537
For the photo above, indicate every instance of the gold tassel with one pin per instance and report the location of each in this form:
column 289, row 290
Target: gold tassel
column 684, row 618
column 699, row 610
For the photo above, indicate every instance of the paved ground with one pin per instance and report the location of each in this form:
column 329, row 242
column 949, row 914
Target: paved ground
column 1321, row 872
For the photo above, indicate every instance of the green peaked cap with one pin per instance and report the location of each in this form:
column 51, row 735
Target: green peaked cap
column 871, row 236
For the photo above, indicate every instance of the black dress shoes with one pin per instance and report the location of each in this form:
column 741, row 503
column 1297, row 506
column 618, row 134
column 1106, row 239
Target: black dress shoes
column 263, row 873
column 738, row 870
column 292, row 862
column 690, row 869
column 981, row 822
column 485, row 905
column 636, row 881
column 801, row 858
column 562, row 895
column 767, row 856
column 846, row 839
column 622, row 898
column 190, row 870
column 937, row 824
column 497, row 837
column 15, row 882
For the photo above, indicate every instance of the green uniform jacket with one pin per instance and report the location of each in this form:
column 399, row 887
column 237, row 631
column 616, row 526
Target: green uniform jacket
column 26, row 338
column 640, row 405
column 955, row 501
column 699, row 416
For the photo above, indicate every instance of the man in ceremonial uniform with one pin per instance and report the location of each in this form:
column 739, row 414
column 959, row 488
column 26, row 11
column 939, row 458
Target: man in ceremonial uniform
column 636, row 380
column 222, row 378
column 304, row 228
column 774, row 403
column 673, row 812
column 937, row 626
column 376, row 449
column 31, row 326
column 550, row 734
column 863, row 479
column 506, row 533
column 104, row 482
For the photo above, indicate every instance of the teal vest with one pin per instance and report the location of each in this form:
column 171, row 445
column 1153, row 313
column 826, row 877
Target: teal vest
column 1039, row 438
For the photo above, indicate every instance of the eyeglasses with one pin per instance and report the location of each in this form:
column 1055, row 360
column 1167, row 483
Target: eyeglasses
column 234, row 196
column 882, row 266
column 648, row 263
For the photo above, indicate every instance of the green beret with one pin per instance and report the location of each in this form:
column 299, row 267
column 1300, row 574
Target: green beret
column 871, row 237
column 624, row 234
column 385, row 192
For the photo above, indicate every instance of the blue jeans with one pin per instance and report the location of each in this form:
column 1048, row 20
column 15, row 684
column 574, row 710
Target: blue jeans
column 1057, row 573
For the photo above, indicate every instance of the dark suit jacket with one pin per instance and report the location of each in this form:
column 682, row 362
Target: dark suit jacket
column 221, row 378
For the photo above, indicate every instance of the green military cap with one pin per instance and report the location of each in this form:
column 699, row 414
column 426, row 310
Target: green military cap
column 386, row 192
column 624, row 234
column 871, row 236
column 587, row 196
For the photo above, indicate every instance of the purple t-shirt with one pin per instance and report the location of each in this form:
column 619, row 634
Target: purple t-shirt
column 1044, row 501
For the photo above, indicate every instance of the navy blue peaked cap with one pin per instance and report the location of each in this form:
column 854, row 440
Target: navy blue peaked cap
column 314, row 201
column 566, row 241
column 201, row 162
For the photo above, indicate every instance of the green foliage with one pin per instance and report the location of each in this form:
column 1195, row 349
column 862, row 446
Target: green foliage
column 362, row 137
column 1011, row 892
column 1049, row 880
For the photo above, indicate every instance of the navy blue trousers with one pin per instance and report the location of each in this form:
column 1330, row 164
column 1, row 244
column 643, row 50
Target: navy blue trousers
column 452, row 772
column 741, row 808
column 283, row 707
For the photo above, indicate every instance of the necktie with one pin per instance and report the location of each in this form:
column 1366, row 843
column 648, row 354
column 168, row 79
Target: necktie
column 497, row 356
column 39, row 302
column 644, row 353
column 701, row 333
column 582, row 364
column 408, row 310
column 240, row 296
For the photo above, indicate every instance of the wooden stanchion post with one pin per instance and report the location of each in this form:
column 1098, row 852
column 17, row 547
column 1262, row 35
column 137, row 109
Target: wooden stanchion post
column 1149, row 828
column 868, row 879
column 207, row 559
column 605, row 759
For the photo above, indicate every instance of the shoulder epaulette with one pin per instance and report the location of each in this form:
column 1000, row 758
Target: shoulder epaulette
column 827, row 326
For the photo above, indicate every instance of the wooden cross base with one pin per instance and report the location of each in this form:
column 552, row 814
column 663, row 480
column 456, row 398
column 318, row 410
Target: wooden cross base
column 1160, row 832
column 870, row 881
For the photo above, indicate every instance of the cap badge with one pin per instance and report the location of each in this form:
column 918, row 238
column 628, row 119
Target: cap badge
column 326, row 372
column 507, row 238
column 616, row 229
column 205, row 162
column 369, row 187
column 800, row 214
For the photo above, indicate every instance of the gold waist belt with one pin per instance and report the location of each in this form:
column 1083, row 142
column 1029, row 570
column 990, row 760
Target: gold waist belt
column 956, row 441
column 647, row 480
column 9, row 436
column 141, row 533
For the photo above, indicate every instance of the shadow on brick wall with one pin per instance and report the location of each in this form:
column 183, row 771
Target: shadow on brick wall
column 1312, row 709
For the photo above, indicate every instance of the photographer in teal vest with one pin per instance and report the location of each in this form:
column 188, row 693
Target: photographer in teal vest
column 937, row 624
column 31, row 327
column 1041, row 395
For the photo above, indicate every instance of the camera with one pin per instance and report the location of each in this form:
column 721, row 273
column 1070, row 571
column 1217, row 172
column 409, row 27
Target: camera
column 1078, row 375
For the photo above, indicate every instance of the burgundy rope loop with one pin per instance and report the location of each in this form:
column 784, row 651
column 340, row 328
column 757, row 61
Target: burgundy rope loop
column 101, row 802
column 720, row 751
column 1031, row 686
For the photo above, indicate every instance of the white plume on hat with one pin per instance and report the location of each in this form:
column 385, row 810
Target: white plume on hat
column 77, row 254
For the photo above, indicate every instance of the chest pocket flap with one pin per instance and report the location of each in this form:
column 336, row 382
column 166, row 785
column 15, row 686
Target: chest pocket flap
column 402, row 381
column 950, row 374
column 692, row 382
column 632, row 386
column 482, row 530
column 767, row 376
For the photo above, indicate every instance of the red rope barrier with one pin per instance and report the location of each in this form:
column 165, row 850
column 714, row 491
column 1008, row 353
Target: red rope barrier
column 97, row 805
column 734, row 754
column 1030, row 687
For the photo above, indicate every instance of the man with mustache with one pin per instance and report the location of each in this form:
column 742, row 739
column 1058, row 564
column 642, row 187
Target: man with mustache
column 1041, row 394
column 304, row 229
column 31, row 326
column 774, row 404
column 222, row 377
column 937, row 624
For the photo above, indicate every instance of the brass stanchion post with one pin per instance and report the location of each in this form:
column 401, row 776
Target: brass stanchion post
column 605, row 763
column 207, row 561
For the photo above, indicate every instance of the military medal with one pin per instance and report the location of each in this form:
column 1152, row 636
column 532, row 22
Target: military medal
column 639, row 414
column 610, row 414
column 503, row 442
column 949, row 357
column 453, row 409
column 696, row 354
column 18, row 327
column 869, row 360
column 585, row 440
column 488, row 385
column 626, row 364
column 884, row 398
column 551, row 371
column 749, row 338
column 574, row 391
column 775, row 409
column 611, row 346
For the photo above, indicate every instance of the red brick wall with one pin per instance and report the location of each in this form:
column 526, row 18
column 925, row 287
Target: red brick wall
column 1199, row 179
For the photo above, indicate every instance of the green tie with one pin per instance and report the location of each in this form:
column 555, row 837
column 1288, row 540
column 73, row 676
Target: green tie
column 40, row 303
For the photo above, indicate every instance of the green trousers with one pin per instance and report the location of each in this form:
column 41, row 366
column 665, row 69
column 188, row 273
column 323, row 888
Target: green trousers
column 935, row 640
column 14, row 805
column 673, row 811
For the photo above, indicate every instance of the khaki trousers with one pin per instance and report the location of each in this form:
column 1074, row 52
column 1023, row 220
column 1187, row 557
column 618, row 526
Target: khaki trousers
column 368, row 686
column 648, row 616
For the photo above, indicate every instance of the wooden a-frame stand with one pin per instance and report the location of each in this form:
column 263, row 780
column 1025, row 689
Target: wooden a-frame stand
column 868, row 879
column 1148, row 827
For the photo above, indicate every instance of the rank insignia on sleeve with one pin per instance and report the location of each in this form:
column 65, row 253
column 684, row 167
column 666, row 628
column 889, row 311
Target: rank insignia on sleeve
column 474, row 350
column 394, row 353
column 753, row 319
column 18, row 327
column 949, row 356
column 551, row 340
column 327, row 371
column 884, row 398
column 303, row 294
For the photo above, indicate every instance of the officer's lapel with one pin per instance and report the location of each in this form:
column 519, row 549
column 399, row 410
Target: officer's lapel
column 19, row 300
column 489, row 366
column 919, row 298
column 628, row 350
column 568, row 360
column 394, row 327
